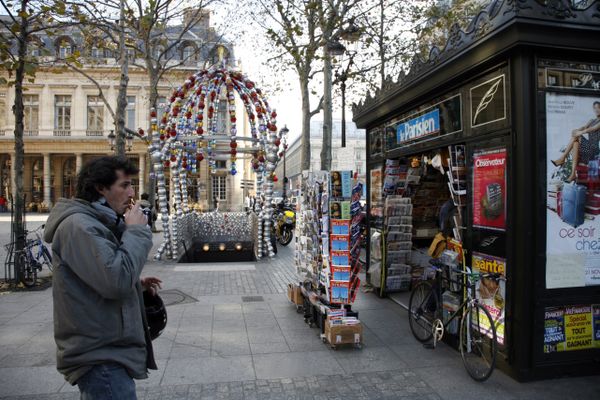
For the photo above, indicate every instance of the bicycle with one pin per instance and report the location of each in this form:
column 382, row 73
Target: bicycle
column 477, row 333
column 33, row 257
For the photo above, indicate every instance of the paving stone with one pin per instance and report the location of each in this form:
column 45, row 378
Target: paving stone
column 206, row 370
column 287, row 365
column 277, row 347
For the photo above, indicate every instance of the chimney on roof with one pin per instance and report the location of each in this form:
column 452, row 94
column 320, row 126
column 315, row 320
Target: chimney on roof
column 202, row 18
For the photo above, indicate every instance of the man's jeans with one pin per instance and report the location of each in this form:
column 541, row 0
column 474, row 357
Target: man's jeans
column 107, row 382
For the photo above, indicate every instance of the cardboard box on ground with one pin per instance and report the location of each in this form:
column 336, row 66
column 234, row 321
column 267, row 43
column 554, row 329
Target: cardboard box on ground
column 343, row 334
column 295, row 294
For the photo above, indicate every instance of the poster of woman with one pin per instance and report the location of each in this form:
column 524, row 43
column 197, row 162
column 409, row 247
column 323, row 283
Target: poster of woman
column 573, row 193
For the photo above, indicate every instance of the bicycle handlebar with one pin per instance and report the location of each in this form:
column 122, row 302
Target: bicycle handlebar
column 491, row 275
column 437, row 265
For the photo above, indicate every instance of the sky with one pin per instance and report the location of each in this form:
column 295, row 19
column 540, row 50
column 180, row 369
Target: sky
column 287, row 101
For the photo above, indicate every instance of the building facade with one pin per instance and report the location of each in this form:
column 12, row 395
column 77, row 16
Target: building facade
column 352, row 157
column 67, row 123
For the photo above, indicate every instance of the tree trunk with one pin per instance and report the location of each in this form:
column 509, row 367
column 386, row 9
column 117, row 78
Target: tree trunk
column 305, row 139
column 122, row 96
column 18, row 225
column 327, row 117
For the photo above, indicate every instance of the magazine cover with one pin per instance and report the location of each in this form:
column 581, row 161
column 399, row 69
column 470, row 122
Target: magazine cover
column 489, row 189
column 596, row 318
column 340, row 258
column 570, row 328
column 340, row 227
column 340, row 242
column 340, row 273
column 491, row 292
column 340, row 292
column 376, row 200
column 554, row 329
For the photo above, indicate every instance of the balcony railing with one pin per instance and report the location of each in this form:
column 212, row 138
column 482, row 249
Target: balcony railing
column 62, row 132
column 2, row 132
column 31, row 132
column 94, row 132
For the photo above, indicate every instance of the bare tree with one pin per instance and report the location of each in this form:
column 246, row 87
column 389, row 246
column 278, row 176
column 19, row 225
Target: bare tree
column 389, row 31
column 152, row 39
column 18, row 31
column 293, row 27
column 333, row 16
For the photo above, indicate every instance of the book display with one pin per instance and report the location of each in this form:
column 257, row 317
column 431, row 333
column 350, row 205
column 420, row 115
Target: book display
column 327, row 238
column 398, row 217
column 423, row 196
column 341, row 290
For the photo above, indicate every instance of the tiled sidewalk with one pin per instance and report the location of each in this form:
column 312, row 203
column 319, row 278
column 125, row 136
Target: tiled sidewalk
column 224, row 346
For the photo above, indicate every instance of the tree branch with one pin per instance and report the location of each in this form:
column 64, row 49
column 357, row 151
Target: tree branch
column 95, row 82
column 318, row 109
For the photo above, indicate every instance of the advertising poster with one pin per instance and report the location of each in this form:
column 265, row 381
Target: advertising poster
column 573, row 191
column 491, row 292
column 554, row 329
column 596, row 322
column 376, row 201
column 489, row 189
column 571, row 328
column 578, row 328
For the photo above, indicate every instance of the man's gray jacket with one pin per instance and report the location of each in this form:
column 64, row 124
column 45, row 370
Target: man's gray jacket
column 98, row 306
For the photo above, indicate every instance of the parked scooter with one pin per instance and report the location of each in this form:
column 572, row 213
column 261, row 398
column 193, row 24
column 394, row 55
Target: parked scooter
column 284, row 220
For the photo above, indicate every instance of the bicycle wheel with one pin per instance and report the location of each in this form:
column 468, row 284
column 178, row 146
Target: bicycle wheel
column 28, row 272
column 47, row 258
column 478, row 342
column 422, row 309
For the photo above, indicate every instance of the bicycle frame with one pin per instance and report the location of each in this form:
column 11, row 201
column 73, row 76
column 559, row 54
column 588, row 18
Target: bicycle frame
column 470, row 299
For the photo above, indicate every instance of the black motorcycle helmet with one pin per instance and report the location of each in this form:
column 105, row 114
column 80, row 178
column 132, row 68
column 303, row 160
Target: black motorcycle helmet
column 156, row 314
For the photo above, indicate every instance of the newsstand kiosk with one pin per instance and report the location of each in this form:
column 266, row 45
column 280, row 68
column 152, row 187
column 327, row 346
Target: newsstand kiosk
column 502, row 128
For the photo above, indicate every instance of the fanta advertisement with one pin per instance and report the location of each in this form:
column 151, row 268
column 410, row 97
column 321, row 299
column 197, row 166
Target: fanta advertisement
column 426, row 124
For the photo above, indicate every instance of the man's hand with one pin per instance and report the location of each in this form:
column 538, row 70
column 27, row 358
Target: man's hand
column 135, row 216
column 151, row 284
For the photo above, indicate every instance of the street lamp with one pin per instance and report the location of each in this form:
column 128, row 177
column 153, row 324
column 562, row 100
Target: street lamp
column 350, row 35
column 112, row 140
column 283, row 133
column 129, row 141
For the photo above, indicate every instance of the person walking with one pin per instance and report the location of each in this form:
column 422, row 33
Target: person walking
column 100, row 243
column 2, row 203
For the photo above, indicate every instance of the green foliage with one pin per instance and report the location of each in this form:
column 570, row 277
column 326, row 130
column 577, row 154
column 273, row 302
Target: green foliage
column 440, row 20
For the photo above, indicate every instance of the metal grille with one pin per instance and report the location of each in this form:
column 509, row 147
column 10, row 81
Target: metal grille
column 251, row 299
column 175, row 296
